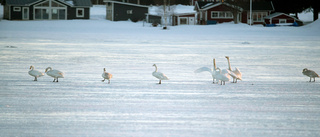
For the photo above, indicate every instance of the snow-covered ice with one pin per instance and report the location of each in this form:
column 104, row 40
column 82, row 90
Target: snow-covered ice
column 274, row 98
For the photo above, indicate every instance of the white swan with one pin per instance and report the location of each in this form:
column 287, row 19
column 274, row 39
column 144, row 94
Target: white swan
column 222, row 75
column 106, row 76
column 159, row 75
column 310, row 73
column 54, row 73
column 211, row 71
column 237, row 74
column 35, row 73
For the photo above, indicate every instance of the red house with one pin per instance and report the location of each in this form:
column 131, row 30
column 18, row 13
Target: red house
column 219, row 12
column 281, row 19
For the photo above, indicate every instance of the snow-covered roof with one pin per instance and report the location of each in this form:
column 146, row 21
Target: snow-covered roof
column 276, row 14
column 175, row 9
column 73, row 3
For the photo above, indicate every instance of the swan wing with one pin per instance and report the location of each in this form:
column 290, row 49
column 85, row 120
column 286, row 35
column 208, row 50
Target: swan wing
column 35, row 73
column 232, row 74
column 203, row 69
column 310, row 73
column 238, row 73
column 107, row 75
column 222, row 77
column 55, row 73
column 160, row 76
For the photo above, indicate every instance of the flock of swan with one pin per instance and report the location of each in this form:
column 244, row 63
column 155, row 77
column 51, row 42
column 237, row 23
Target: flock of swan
column 223, row 75
column 217, row 74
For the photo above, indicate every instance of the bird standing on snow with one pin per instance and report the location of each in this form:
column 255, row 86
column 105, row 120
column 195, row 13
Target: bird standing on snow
column 238, row 74
column 310, row 73
column 54, row 73
column 222, row 75
column 106, row 76
column 211, row 71
column 159, row 75
column 35, row 73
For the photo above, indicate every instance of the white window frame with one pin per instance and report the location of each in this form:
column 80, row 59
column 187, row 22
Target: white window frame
column 129, row 11
column 17, row 9
column 77, row 11
column 184, row 18
column 255, row 15
column 221, row 15
column 282, row 21
column 49, row 9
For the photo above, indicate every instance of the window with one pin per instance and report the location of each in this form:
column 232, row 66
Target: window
column 16, row 9
column 282, row 21
column 221, row 14
column 258, row 16
column 215, row 15
column 183, row 21
column 129, row 11
column 80, row 12
column 50, row 9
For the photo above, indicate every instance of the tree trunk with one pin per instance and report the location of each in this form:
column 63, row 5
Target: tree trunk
column 235, row 17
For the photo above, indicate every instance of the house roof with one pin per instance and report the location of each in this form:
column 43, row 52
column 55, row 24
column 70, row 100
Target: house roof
column 131, row 4
column 202, row 5
column 20, row 2
column 276, row 14
column 256, row 6
column 73, row 3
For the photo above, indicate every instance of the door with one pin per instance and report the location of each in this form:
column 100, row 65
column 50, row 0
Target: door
column 25, row 13
column 191, row 21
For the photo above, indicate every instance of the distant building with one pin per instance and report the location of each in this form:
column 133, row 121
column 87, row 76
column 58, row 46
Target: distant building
column 219, row 12
column 279, row 18
column 122, row 11
column 46, row 9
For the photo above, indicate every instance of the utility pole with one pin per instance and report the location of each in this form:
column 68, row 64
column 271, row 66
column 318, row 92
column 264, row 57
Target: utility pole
column 165, row 14
column 250, row 12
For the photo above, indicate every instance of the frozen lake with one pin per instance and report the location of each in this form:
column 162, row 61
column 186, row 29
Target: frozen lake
column 274, row 98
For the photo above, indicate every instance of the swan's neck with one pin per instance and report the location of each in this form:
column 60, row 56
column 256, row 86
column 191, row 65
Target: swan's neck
column 156, row 69
column 229, row 64
column 32, row 67
column 48, row 69
column 214, row 64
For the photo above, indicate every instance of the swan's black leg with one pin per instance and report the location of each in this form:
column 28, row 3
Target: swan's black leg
column 159, row 81
column 54, row 80
column 57, row 80
column 108, row 81
column 314, row 79
column 310, row 79
column 35, row 79
column 103, row 80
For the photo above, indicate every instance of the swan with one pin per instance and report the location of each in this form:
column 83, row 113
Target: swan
column 211, row 71
column 54, row 73
column 35, row 73
column 106, row 75
column 237, row 74
column 222, row 75
column 310, row 73
column 159, row 75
